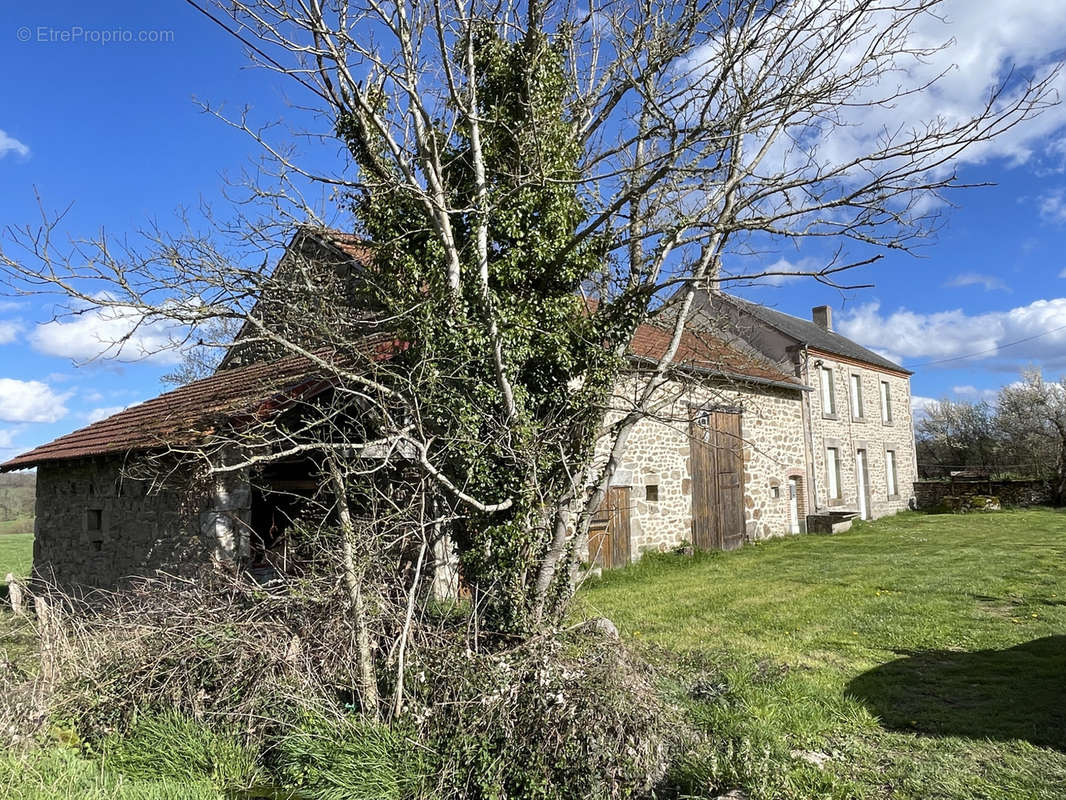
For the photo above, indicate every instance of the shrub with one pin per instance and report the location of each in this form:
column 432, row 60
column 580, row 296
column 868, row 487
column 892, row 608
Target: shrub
column 560, row 717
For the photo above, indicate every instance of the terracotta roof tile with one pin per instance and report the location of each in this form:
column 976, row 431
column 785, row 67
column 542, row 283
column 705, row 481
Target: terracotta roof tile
column 181, row 416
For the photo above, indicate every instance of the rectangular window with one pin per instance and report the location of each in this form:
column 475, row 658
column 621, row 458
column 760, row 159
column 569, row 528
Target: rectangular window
column 886, row 403
column 94, row 520
column 856, row 396
column 829, row 405
column 651, row 493
column 890, row 472
column 832, row 470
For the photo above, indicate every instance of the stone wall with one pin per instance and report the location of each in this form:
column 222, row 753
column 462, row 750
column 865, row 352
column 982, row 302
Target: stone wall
column 930, row 494
column 657, row 454
column 849, row 434
column 95, row 527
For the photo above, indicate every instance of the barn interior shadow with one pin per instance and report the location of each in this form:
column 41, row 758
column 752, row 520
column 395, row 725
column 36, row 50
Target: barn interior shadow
column 1016, row 693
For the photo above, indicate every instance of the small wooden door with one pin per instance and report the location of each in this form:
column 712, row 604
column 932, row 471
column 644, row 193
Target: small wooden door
column 717, row 458
column 609, row 530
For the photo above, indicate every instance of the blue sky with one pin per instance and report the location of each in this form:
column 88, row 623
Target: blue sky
column 112, row 127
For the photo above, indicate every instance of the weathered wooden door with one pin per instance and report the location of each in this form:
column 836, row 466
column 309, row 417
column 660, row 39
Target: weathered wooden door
column 717, row 458
column 609, row 530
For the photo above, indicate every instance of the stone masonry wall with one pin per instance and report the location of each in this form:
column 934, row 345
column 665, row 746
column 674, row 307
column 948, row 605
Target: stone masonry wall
column 139, row 533
column 657, row 454
column 868, row 432
column 930, row 494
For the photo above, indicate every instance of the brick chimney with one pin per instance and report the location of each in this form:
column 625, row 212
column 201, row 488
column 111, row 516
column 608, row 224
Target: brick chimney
column 823, row 317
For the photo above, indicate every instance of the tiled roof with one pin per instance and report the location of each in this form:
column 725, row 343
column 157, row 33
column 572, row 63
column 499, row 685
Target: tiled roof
column 816, row 337
column 701, row 351
column 182, row 416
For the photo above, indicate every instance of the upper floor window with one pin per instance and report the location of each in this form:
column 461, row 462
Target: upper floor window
column 855, row 395
column 829, row 405
column 832, row 472
column 886, row 403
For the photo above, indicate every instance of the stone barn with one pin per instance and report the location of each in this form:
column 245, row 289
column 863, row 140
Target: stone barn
column 770, row 424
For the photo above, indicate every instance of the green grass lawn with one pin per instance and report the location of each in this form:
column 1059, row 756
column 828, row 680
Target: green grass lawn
column 915, row 657
column 16, row 553
column 19, row 526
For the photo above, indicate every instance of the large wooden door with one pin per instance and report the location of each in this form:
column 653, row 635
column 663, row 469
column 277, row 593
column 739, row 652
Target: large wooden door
column 609, row 530
column 717, row 458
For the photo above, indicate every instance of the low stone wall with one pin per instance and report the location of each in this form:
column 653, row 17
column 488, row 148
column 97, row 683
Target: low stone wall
column 931, row 494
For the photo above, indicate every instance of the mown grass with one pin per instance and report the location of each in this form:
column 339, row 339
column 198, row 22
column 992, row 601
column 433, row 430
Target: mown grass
column 16, row 553
column 19, row 526
column 915, row 657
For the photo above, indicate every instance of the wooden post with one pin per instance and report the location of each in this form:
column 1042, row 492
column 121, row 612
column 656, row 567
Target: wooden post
column 15, row 595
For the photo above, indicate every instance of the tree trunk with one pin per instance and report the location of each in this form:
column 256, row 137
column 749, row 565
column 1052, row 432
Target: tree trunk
column 367, row 678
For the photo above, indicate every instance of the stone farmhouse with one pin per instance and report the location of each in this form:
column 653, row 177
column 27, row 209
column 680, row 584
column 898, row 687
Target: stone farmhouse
column 772, row 425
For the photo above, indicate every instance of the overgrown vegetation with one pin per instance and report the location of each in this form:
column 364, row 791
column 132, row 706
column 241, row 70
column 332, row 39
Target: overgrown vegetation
column 914, row 657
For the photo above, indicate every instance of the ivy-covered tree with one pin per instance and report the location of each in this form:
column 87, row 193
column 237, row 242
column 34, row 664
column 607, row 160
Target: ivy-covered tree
column 531, row 180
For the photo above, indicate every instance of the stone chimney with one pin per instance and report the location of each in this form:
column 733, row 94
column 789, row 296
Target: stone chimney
column 823, row 317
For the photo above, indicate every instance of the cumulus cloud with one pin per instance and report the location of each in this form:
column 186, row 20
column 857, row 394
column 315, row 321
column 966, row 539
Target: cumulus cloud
column 30, row 401
column 8, row 331
column 973, row 394
column 784, row 271
column 921, row 405
column 118, row 333
column 1053, row 206
column 999, row 339
column 958, row 56
column 98, row 414
column 989, row 282
column 9, row 144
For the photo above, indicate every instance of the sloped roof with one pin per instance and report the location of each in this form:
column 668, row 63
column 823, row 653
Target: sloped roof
column 182, row 416
column 817, row 337
column 707, row 353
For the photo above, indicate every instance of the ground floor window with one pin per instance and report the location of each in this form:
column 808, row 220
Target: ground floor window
column 832, row 469
column 890, row 472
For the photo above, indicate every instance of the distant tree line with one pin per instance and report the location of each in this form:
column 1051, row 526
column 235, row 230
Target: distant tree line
column 1021, row 434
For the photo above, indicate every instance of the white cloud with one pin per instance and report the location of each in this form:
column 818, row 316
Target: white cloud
column 957, row 56
column 989, row 282
column 119, row 333
column 919, row 403
column 1038, row 331
column 972, row 393
column 7, row 438
column 1053, row 207
column 1062, row 274
column 9, row 144
column 8, row 331
column 98, row 414
column 781, row 271
column 30, row 401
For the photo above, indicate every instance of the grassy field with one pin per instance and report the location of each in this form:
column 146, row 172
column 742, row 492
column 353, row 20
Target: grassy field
column 915, row 657
column 19, row 526
column 16, row 552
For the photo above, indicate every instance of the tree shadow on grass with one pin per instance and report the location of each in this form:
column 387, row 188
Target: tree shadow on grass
column 1017, row 693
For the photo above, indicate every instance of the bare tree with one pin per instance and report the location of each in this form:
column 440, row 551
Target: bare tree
column 956, row 434
column 1032, row 420
column 505, row 164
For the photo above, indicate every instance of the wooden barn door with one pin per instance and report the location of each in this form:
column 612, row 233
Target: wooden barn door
column 609, row 530
column 717, row 481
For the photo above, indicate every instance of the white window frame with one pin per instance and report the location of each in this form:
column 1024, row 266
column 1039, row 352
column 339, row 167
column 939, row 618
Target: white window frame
column 855, row 395
column 890, row 473
column 832, row 473
column 886, row 403
column 828, row 384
